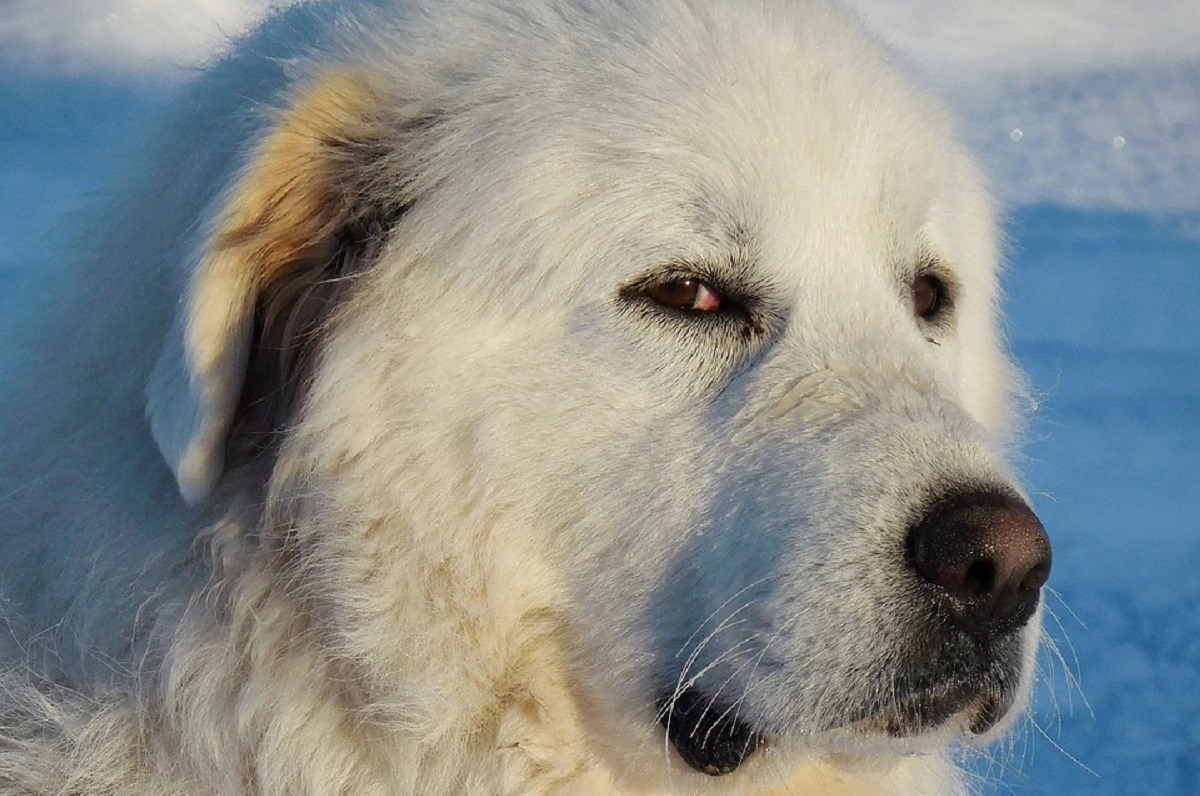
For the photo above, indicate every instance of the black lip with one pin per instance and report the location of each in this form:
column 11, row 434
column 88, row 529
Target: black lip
column 929, row 709
column 709, row 736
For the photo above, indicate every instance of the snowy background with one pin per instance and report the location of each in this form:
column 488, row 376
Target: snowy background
column 1086, row 113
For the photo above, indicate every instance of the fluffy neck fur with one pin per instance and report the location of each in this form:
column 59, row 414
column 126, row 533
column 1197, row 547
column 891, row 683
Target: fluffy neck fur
column 257, row 691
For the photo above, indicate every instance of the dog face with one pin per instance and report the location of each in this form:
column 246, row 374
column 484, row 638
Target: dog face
column 668, row 334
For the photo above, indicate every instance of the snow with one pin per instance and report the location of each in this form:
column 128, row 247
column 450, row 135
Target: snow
column 1102, row 316
column 118, row 38
column 1087, row 114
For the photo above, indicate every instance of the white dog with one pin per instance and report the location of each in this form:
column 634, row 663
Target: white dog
column 521, row 396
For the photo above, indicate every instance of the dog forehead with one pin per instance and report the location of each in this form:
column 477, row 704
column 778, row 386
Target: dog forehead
column 733, row 119
column 630, row 135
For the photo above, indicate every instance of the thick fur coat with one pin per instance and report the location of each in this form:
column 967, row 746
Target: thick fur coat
column 503, row 396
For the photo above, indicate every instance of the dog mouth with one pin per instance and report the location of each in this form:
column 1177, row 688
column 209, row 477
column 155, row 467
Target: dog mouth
column 713, row 739
column 929, row 709
column 709, row 736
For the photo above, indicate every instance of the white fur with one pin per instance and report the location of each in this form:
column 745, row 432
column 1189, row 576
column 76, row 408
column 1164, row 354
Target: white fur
column 510, row 503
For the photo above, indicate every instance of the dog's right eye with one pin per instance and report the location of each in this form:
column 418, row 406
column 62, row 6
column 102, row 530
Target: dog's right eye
column 694, row 299
column 686, row 293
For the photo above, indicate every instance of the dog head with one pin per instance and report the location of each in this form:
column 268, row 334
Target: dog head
column 669, row 329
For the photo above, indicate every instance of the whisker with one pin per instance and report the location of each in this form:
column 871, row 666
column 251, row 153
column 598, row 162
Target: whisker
column 718, row 610
column 1063, row 751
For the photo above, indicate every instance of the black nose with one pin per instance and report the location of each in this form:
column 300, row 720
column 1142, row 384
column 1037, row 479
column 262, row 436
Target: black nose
column 987, row 556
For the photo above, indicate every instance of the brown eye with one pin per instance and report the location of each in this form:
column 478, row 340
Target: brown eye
column 685, row 293
column 927, row 296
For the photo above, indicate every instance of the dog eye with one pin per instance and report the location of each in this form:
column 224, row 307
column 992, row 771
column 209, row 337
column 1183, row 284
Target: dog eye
column 685, row 293
column 928, row 294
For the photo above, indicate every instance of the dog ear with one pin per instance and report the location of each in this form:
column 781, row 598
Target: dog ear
column 302, row 218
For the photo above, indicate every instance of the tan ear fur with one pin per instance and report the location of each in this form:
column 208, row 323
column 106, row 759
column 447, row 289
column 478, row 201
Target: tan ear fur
column 298, row 190
column 298, row 220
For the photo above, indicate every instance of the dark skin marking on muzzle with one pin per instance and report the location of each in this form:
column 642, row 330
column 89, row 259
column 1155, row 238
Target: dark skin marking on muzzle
column 707, row 735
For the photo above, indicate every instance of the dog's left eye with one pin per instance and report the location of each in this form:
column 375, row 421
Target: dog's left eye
column 928, row 294
column 686, row 293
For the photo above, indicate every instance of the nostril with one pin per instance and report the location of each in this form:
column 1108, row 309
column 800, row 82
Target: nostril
column 980, row 579
column 1037, row 577
column 987, row 556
